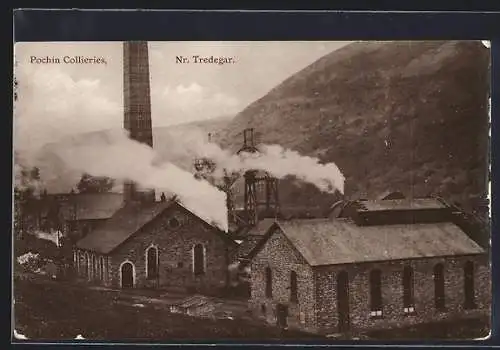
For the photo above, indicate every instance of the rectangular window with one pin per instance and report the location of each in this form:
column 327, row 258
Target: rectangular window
column 408, row 293
column 376, row 293
column 469, row 302
column 269, row 283
column 439, row 290
column 199, row 260
column 293, row 287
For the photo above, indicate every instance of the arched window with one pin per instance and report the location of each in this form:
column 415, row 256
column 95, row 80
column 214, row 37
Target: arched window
column 152, row 263
column 198, row 259
column 86, row 261
column 101, row 268
column 408, row 293
column 469, row 302
column 174, row 223
column 94, row 267
column 376, row 292
column 75, row 258
column 269, row 283
column 439, row 296
column 293, row 287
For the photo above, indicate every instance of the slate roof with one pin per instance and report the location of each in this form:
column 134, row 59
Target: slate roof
column 121, row 226
column 340, row 241
column 126, row 222
column 388, row 195
column 401, row 204
column 250, row 236
column 246, row 247
column 259, row 229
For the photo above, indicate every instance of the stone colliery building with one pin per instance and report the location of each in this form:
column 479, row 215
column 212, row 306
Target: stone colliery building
column 379, row 264
column 156, row 245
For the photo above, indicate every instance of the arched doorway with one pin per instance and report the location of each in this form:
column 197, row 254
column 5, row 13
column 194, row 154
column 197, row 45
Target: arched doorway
column 127, row 275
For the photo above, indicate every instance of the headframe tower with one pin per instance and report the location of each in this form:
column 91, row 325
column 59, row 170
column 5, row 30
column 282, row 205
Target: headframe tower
column 258, row 184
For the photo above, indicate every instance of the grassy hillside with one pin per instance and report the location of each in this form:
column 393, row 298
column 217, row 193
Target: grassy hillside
column 409, row 116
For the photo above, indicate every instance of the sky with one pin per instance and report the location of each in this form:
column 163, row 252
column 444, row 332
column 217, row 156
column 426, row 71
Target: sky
column 56, row 99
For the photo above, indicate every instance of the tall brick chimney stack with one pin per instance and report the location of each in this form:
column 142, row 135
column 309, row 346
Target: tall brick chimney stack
column 137, row 106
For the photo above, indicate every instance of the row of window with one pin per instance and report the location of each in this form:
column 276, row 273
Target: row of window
column 91, row 266
column 96, row 267
column 408, row 285
column 375, row 284
column 153, row 261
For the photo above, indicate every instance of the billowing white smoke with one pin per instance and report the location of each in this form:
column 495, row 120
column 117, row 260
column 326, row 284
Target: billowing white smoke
column 116, row 156
column 274, row 159
column 53, row 108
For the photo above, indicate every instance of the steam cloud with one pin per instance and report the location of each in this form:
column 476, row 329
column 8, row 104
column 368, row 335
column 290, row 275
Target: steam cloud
column 50, row 97
column 53, row 108
column 116, row 156
column 274, row 159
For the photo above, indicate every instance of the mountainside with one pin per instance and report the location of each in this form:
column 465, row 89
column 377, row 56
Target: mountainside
column 408, row 116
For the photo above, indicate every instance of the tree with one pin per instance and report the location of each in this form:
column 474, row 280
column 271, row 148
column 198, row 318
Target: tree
column 95, row 184
column 24, row 192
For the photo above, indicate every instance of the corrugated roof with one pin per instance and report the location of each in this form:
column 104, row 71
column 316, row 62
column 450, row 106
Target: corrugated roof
column 124, row 223
column 401, row 204
column 340, row 241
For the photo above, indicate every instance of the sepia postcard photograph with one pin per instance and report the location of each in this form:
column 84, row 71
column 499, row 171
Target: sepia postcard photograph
column 251, row 191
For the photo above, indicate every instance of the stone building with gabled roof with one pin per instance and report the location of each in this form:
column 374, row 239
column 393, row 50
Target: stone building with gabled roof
column 387, row 264
column 155, row 244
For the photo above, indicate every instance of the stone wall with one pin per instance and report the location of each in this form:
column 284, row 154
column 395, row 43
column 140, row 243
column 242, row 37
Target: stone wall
column 282, row 258
column 392, row 293
column 175, row 243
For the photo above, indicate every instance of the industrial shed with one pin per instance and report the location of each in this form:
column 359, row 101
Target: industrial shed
column 372, row 271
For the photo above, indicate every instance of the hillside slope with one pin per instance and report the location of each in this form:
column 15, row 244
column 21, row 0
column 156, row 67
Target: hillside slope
column 409, row 116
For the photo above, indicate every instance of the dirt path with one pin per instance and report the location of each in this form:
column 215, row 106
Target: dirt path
column 159, row 299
